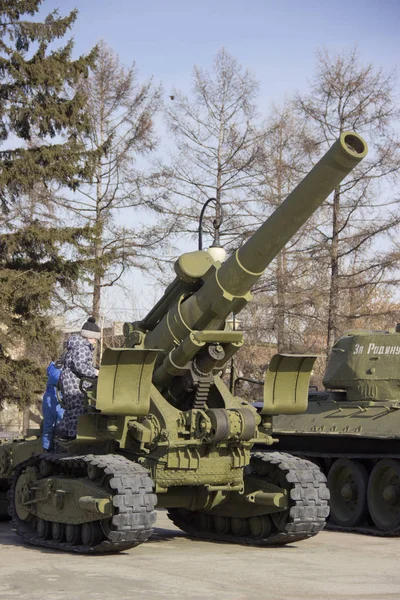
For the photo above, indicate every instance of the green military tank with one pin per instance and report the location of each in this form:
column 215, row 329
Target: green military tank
column 352, row 431
column 163, row 429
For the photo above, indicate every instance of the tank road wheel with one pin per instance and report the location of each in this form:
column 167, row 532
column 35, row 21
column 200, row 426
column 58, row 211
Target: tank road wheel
column 261, row 526
column 222, row 524
column 240, row 527
column 73, row 534
column 43, row 529
column 204, row 521
column 92, row 533
column 57, row 531
column 384, row 494
column 347, row 482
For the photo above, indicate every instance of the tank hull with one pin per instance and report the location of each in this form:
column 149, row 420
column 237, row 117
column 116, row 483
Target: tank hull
column 357, row 446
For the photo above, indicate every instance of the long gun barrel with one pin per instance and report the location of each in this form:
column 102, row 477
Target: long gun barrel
column 205, row 293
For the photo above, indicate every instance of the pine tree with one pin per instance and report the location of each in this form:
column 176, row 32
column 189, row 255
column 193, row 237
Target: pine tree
column 36, row 104
column 42, row 122
column 31, row 269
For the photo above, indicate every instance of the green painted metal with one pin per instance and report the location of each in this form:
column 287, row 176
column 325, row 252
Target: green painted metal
column 226, row 288
column 286, row 384
column 124, row 381
column 353, row 430
column 362, row 397
column 162, row 404
column 16, row 451
column 366, row 365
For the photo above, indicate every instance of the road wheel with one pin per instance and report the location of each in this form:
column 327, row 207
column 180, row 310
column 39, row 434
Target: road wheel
column 347, row 482
column 73, row 534
column 91, row 533
column 43, row 529
column 384, row 494
column 58, row 531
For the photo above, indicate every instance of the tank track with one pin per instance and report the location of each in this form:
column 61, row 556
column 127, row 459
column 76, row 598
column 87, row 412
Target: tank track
column 4, row 516
column 308, row 504
column 366, row 528
column 133, row 499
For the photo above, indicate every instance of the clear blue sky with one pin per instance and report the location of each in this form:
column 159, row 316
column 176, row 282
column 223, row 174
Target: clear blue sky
column 275, row 39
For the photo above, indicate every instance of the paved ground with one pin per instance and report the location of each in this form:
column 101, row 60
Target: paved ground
column 330, row 566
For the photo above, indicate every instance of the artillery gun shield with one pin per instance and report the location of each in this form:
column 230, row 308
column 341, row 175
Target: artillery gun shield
column 286, row 384
column 124, row 383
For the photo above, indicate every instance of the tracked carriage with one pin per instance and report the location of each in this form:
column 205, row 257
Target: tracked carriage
column 163, row 429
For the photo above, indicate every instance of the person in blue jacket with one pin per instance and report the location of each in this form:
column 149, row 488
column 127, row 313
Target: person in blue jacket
column 51, row 408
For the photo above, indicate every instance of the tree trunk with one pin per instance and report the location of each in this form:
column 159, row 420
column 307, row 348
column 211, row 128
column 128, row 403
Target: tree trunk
column 334, row 287
column 281, row 259
column 97, row 276
column 281, row 300
column 26, row 414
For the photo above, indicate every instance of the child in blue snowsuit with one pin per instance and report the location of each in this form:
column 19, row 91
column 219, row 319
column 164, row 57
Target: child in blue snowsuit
column 51, row 409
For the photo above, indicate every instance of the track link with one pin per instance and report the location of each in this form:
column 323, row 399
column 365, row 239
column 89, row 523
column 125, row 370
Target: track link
column 308, row 509
column 133, row 502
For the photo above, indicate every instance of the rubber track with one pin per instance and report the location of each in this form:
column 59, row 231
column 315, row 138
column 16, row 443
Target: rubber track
column 309, row 508
column 133, row 499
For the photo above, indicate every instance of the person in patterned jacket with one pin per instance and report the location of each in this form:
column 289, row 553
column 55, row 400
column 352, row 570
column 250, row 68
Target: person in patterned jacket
column 78, row 363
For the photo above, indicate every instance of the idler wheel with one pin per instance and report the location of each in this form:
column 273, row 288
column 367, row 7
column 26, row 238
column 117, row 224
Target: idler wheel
column 384, row 494
column 22, row 496
column 92, row 533
column 43, row 529
column 58, row 531
column 347, row 482
column 73, row 534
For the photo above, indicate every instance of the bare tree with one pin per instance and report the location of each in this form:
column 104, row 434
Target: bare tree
column 216, row 140
column 114, row 202
column 347, row 95
column 284, row 290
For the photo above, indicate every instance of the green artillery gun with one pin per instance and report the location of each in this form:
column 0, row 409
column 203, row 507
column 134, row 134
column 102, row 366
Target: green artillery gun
column 163, row 429
column 352, row 431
